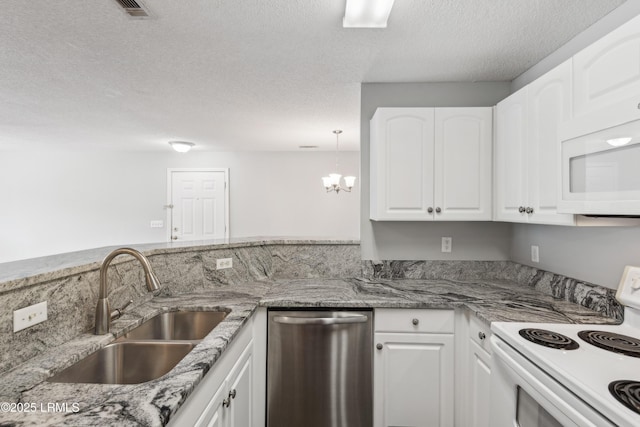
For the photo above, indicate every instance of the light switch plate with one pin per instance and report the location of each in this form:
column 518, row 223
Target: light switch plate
column 222, row 263
column 29, row 316
column 535, row 253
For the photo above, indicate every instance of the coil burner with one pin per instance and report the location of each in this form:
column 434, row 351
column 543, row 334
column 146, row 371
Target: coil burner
column 548, row 339
column 612, row 342
column 627, row 393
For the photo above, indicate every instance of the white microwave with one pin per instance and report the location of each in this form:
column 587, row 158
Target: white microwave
column 600, row 172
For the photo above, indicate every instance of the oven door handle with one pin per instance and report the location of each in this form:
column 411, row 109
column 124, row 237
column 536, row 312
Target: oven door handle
column 567, row 413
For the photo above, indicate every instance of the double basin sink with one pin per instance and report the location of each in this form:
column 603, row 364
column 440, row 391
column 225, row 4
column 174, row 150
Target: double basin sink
column 146, row 352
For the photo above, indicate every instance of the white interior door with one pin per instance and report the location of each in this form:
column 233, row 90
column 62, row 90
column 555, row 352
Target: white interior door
column 198, row 200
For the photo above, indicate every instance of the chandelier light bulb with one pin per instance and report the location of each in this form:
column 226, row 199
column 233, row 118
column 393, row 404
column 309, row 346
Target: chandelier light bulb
column 332, row 182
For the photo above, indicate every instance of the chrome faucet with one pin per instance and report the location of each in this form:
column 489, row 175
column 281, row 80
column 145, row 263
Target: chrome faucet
column 103, row 310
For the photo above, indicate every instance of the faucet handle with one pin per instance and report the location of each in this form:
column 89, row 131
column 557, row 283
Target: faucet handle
column 115, row 314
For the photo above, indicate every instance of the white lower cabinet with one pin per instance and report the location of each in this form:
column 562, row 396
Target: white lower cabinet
column 413, row 368
column 232, row 393
column 473, row 371
column 231, row 406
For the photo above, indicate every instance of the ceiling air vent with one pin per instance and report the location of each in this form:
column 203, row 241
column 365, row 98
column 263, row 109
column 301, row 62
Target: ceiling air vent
column 134, row 9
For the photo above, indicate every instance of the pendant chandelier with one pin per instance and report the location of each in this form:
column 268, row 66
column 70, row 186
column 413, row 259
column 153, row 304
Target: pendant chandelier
column 332, row 182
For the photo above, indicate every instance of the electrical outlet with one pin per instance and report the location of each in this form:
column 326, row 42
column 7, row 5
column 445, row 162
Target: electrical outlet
column 156, row 224
column 222, row 263
column 446, row 244
column 29, row 316
column 535, row 253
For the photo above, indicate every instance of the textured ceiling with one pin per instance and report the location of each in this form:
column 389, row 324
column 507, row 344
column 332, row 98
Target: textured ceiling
column 247, row 74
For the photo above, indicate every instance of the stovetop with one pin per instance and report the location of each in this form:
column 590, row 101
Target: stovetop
column 598, row 363
column 586, row 370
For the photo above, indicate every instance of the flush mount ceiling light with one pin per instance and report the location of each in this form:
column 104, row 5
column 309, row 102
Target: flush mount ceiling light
column 332, row 182
column 181, row 146
column 618, row 142
column 367, row 13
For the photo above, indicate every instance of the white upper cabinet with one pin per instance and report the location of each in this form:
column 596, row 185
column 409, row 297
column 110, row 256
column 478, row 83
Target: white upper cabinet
column 463, row 154
column 510, row 165
column 527, row 171
column 402, row 144
column 548, row 107
column 431, row 164
column 607, row 79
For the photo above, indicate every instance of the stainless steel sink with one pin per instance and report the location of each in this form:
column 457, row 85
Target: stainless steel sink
column 126, row 363
column 177, row 325
column 146, row 352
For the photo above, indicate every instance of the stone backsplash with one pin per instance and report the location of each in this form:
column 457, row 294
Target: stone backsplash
column 588, row 295
column 71, row 293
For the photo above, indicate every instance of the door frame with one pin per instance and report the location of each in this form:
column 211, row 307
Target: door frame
column 169, row 205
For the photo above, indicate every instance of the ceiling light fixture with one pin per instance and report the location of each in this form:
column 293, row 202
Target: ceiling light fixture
column 618, row 142
column 367, row 13
column 332, row 182
column 181, row 146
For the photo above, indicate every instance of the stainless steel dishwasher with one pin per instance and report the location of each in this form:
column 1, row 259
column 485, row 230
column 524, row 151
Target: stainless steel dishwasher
column 319, row 369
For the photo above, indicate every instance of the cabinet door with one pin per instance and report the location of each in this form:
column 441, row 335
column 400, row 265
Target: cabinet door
column 510, row 166
column 462, row 169
column 549, row 106
column 413, row 380
column 401, row 153
column 214, row 413
column 607, row 74
column 240, row 391
column 479, row 386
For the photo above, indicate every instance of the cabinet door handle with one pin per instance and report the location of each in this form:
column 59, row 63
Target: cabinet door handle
column 430, row 209
column 438, row 210
column 529, row 210
column 379, row 346
column 481, row 335
column 226, row 402
column 232, row 394
column 521, row 209
column 415, row 321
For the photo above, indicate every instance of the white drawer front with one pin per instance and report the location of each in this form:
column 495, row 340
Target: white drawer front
column 414, row 320
column 480, row 333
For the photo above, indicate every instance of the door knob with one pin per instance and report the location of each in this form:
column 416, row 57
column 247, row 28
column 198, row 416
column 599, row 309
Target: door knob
column 430, row 210
column 481, row 335
column 521, row 209
column 232, row 393
column 379, row 346
column 174, row 237
column 529, row 210
column 415, row 321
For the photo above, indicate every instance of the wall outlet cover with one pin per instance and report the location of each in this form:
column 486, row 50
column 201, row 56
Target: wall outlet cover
column 29, row 316
column 446, row 244
column 156, row 223
column 222, row 263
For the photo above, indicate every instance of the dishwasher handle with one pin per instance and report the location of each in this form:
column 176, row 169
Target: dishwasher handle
column 346, row 319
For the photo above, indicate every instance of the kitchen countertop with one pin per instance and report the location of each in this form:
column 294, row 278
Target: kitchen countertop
column 152, row 403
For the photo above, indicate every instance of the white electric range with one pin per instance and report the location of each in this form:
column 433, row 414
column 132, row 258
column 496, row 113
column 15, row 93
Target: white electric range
column 548, row 375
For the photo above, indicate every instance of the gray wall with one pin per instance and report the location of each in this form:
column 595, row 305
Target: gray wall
column 84, row 199
column 421, row 240
column 593, row 254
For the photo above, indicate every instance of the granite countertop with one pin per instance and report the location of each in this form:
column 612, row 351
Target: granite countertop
column 154, row 402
